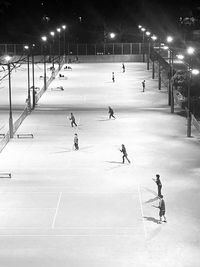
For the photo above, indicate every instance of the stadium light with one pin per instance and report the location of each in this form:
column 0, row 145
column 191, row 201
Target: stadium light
column 8, row 58
column 195, row 72
column 44, row 39
column 112, row 35
column 169, row 39
column 154, row 38
column 64, row 28
column 190, row 50
column 180, row 56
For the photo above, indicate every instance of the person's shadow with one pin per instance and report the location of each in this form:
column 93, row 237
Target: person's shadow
column 151, row 200
column 152, row 219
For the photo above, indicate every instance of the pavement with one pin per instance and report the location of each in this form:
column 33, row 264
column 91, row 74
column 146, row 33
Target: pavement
column 85, row 208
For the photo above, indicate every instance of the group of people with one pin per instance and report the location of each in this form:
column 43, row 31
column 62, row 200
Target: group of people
column 76, row 146
column 161, row 205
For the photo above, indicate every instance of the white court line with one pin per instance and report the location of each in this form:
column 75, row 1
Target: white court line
column 70, row 228
column 56, row 192
column 142, row 213
column 56, row 212
column 86, row 235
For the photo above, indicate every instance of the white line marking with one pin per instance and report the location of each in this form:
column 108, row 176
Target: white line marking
column 57, row 207
column 98, row 235
column 142, row 213
column 70, row 228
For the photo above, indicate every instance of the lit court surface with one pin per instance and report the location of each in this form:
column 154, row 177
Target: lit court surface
column 85, row 208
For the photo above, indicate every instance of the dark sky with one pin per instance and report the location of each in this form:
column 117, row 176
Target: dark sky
column 22, row 21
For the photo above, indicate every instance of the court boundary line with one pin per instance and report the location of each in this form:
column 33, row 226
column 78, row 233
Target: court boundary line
column 56, row 211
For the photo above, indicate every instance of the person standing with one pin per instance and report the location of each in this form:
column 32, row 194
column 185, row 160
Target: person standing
column 159, row 184
column 76, row 141
column 143, row 85
column 111, row 113
column 125, row 155
column 72, row 118
column 113, row 77
column 161, row 207
column 123, row 67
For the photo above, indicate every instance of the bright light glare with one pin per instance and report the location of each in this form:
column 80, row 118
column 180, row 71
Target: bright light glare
column 190, row 50
column 52, row 33
column 148, row 33
column 26, row 47
column 143, row 29
column 195, row 71
column 165, row 47
column 154, row 37
column 7, row 58
column 44, row 38
column 112, row 35
column 64, row 27
column 58, row 29
column 139, row 26
column 169, row 39
column 181, row 57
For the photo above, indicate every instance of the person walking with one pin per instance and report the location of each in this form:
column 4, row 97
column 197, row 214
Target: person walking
column 161, row 207
column 76, row 141
column 143, row 85
column 123, row 67
column 125, row 155
column 159, row 184
column 113, row 77
column 111, row 113
column 72, row 118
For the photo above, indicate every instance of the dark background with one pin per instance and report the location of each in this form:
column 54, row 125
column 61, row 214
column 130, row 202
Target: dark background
column 90, row 20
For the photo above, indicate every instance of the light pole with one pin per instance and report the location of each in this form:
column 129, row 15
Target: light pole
column 159, row 66
column 64, row 50
column 44, row 39
column 170, row 40
column 26, row 47
column 58, row 30
column 148, row 55
column 8, row 58
column 154, row 38
column 52, row 34
column 190, row 52
column 143, row 31
column 33, row 73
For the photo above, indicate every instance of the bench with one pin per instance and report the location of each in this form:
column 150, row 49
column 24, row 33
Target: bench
column 25, row 135
column 5, row 175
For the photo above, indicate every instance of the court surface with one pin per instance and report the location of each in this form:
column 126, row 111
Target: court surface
column 85, row 208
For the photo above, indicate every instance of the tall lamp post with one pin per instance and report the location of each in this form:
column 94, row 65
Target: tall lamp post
column 44, row 39
column 143, row 31
column 52, row 34
column 154, row 38
column 170, row 40
column 159, row 66
column 26, row 47
column 58, row 30
column 190, row 52
column 64, row 50
column 149, row 48
column 8, row 58
column 33, row 73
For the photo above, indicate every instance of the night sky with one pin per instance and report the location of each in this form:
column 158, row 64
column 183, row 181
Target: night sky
column 88, row 20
